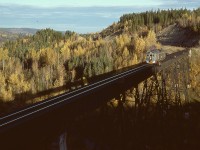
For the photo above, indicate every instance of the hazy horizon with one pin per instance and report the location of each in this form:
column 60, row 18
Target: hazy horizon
column 83, row 18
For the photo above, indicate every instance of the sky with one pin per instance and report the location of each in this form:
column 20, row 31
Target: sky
column 81, row 16
column 82, row 3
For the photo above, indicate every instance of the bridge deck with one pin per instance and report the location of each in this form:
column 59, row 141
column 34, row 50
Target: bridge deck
column 43, row 118
column 44, row 115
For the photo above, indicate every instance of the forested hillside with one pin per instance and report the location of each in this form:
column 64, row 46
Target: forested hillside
column 156, row 20
column 50, row 59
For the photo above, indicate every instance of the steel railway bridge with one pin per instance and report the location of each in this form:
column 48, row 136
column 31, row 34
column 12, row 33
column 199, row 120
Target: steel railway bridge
column 159, row 83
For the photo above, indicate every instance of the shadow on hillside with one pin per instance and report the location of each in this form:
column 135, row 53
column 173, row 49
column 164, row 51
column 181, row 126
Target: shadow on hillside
column 177, row 36
column 135, row 129
column 25, row 99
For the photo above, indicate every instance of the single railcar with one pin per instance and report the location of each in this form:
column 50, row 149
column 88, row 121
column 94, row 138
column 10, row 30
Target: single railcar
column 155, row 56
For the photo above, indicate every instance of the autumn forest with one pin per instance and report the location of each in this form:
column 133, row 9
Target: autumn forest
column 50, row 59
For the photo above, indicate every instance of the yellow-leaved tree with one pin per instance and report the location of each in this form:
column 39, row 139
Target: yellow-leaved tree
column 3, row 57
column 65, row 52
column 18, row 84
column 150, row 40
column 139, row 45
column 3, row 91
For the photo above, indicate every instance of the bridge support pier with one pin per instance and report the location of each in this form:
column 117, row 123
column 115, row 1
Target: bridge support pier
column 173, row 82
column 168, row 86
column 60, row 143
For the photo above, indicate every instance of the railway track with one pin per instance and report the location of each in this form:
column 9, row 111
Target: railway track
column 65, row 98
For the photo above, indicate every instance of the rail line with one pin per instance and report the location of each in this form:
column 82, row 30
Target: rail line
column 66, row 97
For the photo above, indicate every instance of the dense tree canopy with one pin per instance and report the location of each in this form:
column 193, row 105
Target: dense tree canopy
column 51, row 59
column 162, row 18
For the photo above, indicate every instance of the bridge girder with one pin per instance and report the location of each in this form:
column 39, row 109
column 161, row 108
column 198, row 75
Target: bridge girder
column 168, row 85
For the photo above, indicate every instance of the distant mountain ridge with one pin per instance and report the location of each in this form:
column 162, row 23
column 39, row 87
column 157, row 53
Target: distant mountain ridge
column 26, row 31
column 7, row 34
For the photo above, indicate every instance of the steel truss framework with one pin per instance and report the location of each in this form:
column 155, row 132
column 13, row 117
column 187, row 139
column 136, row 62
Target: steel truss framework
column 168, row 86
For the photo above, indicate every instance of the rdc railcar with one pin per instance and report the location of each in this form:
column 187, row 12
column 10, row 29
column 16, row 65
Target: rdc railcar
column 155, row 56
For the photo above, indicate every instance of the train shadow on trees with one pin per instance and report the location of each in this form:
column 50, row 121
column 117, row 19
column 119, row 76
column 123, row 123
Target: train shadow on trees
column 25, row 99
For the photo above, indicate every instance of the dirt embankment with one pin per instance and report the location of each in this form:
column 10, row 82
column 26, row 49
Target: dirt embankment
column 176, row 36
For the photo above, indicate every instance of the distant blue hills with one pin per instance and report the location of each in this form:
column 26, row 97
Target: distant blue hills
column 22, row 31
column 10, row 34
